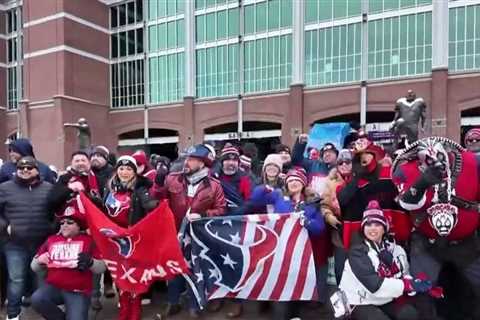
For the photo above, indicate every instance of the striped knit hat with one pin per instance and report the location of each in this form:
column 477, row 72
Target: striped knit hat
column 373, row 213
column 230, row 152
column 296, row 174
column 245, row 162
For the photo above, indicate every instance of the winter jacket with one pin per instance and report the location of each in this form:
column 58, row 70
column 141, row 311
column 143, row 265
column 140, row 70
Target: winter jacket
column 141, row 202
column 317, row 171
column 363, row 281
column 103, row 175
column 24, row 148
column 377, row 185
column 208, row 200
column 24, row 208
column 237, row 189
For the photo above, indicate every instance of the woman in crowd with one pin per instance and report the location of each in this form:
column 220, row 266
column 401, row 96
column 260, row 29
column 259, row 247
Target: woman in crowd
column 127, row 202
column 376, row 274
column 295, row 197
column 337, row 178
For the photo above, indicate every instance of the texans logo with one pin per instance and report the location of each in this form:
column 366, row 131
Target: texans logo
column 115, row 204
column 126, row 245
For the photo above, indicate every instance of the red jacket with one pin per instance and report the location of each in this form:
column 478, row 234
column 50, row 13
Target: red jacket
column 208, row 200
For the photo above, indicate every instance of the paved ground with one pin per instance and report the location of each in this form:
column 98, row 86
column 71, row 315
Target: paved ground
column 110, row 312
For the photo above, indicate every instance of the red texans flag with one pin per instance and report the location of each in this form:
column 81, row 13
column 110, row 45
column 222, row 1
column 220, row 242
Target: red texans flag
column 141, row 254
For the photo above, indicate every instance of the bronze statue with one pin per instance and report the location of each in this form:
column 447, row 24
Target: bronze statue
column 409, row 111
column 84, row 135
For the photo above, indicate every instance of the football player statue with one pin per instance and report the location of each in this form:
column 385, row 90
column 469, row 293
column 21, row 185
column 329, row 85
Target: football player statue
column 409, row 111
column 84, row 135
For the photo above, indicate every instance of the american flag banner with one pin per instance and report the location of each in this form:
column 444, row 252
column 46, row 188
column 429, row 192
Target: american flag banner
column 254, row 257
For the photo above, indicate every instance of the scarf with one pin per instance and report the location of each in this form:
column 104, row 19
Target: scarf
column 197, row 177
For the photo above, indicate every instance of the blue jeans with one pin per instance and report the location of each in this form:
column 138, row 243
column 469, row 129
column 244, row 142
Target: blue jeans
column 176, row 287
column 18, row 258
column 47, row 298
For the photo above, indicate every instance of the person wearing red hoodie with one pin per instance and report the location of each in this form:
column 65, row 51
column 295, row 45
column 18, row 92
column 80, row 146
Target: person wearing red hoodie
column 143, row 164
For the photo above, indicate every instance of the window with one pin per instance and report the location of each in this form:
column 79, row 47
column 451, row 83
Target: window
column 464, row 38
column 378, row 6
column 166, row 59
column 400, row 46
column 126, row 47
column 268, row 16
column 325, row 10
column 333, row 55
column 14, row 57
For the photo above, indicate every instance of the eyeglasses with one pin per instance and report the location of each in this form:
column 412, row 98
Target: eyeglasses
column 347, row 162
column 28, row 168
column 67, row 222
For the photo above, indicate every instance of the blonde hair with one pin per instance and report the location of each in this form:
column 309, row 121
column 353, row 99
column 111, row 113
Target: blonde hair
column 130, row 184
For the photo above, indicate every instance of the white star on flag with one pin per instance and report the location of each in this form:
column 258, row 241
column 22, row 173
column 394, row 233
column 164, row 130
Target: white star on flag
column 199, row 276
column 213, row 273
column 229, row 222
column 228, row 261
column 235, row 238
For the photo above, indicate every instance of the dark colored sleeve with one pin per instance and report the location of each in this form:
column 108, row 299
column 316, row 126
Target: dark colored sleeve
column 58, row 195
column 363, row 269
column 3, row 174
column 347, row 193
column 3, row 220
column 297, row 156
column 147, row 202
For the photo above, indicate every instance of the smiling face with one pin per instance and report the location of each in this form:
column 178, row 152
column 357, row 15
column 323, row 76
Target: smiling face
column 125, row 173
column 374, row 231
column 27, row 172
column 294, row 186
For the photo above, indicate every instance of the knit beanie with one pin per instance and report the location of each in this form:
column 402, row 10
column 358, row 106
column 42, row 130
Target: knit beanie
column 245, row 162
column 127, row 161
column 296, row 174
column 140, row 158
column 373, row 213
column 230, row 152
column 472, row 134
column 273, row 159
column 102, row 151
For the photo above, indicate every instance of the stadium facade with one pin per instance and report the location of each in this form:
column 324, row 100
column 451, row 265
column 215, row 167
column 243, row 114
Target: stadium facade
column 157, row 73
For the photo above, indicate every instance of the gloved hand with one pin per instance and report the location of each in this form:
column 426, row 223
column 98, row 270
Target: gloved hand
column 416, row 285
column 386, row 257
column 431, row 176
column 162, row 173
column 65, row 178
column 85, row 261
column 312, row 220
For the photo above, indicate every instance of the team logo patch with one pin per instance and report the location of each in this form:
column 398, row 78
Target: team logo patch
column 443, row 217
column 125, row 245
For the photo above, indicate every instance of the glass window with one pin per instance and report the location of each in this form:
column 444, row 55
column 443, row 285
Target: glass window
column 261, row 17
column 333, row 55
column 153, row 38
column 222, row 27
column 131, row 42
column 131, row 13
column 140, row 40
column 152, row 9
column 122, row 14
column 464, row 38
column 171, row 34
column 139, row 13
column 210, row 27
column 113, row 17
column 200, row 28
column 162, row 8
column 233, row 22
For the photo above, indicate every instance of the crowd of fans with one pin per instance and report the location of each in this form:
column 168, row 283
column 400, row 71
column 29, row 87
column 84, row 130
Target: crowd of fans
column 43, row 236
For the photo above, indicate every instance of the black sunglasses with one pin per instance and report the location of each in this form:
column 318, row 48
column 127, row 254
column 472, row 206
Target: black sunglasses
column 339, row 163
column 68, row 222
column 25, row 168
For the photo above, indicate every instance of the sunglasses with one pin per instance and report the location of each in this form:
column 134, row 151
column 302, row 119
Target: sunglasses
column 67, row 222
column 339, row 163
column 28, row 168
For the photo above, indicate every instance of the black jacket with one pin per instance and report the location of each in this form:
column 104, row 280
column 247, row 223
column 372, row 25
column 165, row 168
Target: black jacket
column 25, row 209
column 141, row 201
column 103, row 175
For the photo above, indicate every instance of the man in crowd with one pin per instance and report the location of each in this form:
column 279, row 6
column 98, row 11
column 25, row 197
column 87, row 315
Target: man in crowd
column 317, row 170
column 472, row 140
column 103, row 172
column 236, row 184
column 191, row 194
column 77, row 178
column 25, row 223
column 18, row 149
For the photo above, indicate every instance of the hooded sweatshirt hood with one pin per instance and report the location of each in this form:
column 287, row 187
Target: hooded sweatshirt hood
column 23, row 147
